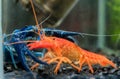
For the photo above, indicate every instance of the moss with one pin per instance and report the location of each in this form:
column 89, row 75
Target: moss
column 114, row 20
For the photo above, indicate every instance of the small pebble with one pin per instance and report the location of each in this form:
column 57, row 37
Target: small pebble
column 118, row 73
column 112, row 71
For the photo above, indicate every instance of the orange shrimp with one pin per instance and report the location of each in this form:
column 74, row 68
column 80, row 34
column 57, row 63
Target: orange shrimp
column 61, row 50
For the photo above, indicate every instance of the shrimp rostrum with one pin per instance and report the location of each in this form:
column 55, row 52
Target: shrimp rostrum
column 63, row 51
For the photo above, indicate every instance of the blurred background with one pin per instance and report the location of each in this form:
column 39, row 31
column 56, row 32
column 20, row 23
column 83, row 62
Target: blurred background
column 100, row 17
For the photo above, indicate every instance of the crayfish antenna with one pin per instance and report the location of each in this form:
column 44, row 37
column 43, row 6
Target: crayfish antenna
column 40, row 31
column 18, row 42
column 36, row 20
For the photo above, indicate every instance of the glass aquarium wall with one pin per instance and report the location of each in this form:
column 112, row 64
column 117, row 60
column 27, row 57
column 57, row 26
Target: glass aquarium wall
column 1, row 42
column 99, row 17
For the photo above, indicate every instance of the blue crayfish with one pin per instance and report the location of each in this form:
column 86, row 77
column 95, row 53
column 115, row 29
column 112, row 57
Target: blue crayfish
column 20, row 35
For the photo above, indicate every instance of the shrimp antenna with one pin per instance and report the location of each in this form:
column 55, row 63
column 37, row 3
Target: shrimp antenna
column 36, row 20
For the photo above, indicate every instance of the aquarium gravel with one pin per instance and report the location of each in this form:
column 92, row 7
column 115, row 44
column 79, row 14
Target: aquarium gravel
column 66, row 72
